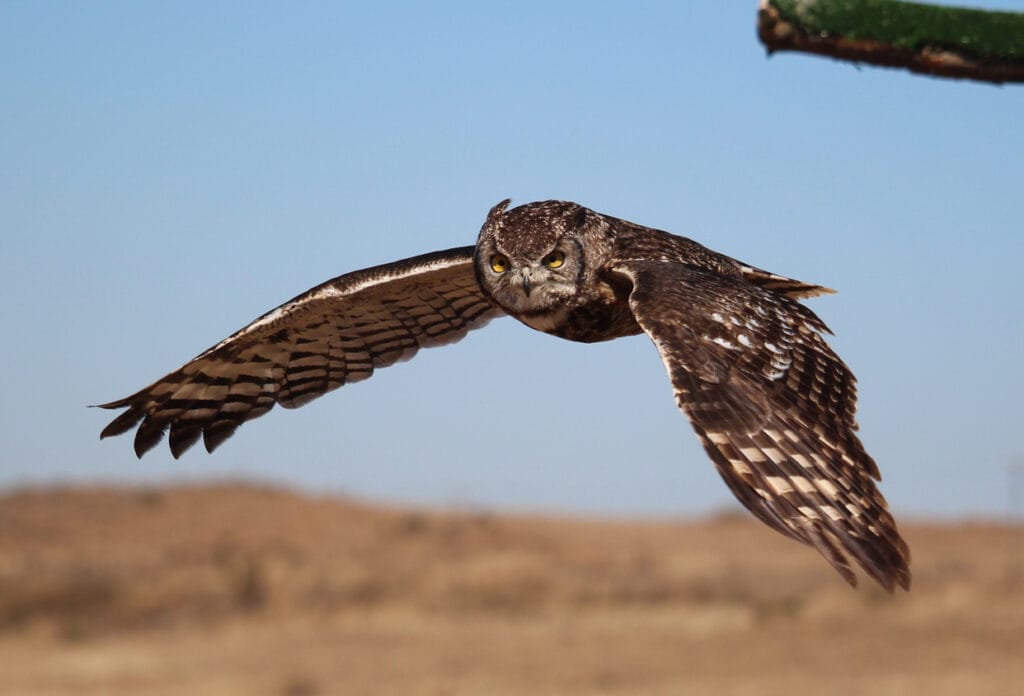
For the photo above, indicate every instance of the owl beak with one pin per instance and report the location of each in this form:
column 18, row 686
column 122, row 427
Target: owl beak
column 526, row 282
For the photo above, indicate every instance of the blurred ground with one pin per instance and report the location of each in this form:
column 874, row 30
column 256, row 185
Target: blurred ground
column 248, row 590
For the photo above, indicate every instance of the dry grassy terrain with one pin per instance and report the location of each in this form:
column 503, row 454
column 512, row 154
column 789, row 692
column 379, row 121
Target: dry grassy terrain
column 245, row 590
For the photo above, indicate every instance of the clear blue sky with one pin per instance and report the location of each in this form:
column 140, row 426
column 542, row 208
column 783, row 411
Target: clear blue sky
column 170, row 172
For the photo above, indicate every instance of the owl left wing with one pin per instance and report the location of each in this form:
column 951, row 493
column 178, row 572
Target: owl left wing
column 774, row 408
column 336, row 333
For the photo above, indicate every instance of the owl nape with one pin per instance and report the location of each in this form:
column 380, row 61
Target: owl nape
column 772, row 404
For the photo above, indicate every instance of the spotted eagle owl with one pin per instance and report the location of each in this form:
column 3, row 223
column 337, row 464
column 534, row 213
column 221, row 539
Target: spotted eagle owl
column 770, row 401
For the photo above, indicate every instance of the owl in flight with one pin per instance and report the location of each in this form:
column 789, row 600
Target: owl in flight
column 770, row 401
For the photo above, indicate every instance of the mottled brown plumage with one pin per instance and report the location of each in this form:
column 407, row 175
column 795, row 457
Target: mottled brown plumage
column 770, row 401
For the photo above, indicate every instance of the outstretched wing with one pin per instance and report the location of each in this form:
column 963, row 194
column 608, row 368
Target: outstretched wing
column 774, row 407
column 333, row 334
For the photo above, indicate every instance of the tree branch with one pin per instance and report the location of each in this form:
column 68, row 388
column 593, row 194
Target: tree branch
column 941, row 41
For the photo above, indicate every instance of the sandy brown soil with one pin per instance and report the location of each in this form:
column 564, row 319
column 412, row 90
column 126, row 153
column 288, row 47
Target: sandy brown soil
column 246, row 590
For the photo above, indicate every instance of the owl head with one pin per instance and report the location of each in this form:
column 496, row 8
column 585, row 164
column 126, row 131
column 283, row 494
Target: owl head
column 531, row 259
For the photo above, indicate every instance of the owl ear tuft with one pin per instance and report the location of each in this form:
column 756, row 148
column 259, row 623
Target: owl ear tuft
column 497, row 210
column 579, row 217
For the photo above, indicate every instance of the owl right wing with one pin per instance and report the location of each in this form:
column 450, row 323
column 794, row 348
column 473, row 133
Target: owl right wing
column 774, row 407
column 333, row 334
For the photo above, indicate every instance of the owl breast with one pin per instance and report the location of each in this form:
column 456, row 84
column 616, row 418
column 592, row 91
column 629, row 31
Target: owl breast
column 601, row 318
column 549, row 321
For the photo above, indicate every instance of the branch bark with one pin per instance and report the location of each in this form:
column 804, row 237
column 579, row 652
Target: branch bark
column 941, row 41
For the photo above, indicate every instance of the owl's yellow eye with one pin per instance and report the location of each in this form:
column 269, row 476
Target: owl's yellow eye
column 499, row 263
column 554, row 259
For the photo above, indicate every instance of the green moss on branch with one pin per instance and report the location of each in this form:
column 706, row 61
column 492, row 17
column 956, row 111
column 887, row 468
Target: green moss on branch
column 946, row 41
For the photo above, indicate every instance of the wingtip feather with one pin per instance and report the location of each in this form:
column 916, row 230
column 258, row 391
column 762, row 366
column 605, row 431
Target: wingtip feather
column 148, row 435
column 813, row 291
column 215, row 434
column 123, row 423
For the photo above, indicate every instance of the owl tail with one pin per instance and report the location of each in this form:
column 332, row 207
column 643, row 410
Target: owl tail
column 794, row 289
